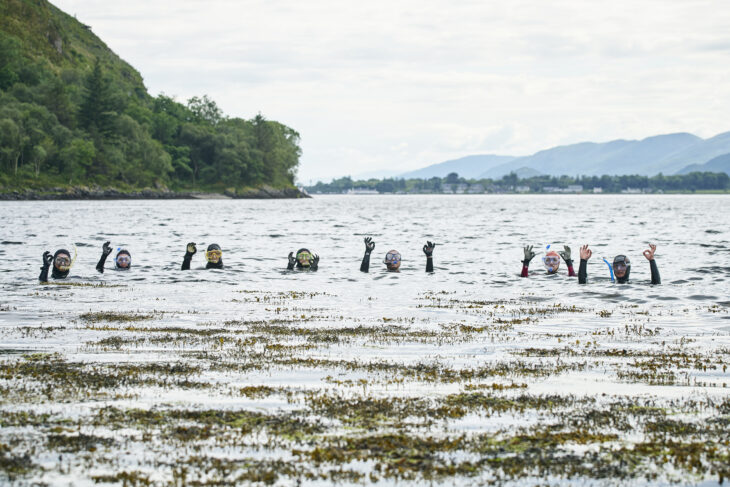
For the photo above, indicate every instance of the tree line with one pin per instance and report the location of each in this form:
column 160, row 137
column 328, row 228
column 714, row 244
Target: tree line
column 68, row 125
column 696, row 181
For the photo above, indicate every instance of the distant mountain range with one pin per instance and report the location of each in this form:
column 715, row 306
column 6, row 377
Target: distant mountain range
column 679, row 153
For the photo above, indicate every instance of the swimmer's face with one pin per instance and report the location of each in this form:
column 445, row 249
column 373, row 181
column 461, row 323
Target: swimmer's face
column 124, row 261
column 619, row 269
column 62, row 262
column 213, row 256
column 552, row 263
column 392, row 260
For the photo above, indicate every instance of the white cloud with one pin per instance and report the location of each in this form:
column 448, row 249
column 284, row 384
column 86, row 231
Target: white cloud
column 378, row 84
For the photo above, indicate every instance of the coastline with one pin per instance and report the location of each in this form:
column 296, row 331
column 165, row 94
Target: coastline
column 97, row 193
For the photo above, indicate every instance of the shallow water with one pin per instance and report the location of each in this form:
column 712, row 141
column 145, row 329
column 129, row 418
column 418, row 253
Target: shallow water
column 476, row 286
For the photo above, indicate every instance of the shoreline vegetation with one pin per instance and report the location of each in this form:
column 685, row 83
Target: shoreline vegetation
column 692, row 183
column 75, row 117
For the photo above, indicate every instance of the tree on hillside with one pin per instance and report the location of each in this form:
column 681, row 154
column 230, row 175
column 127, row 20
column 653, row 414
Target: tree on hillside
column 98, row 109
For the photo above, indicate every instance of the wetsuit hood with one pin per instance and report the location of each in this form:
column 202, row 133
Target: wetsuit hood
column 618, row 260
column 214, row 265
column 55, row 272
column 122, row 252
column 299, row 264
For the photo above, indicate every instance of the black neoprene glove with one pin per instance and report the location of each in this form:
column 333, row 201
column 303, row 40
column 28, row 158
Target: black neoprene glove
column 369, row 245
column 47, row 260
column 292, row 261
column 565, row 254
column 428, row 249
column 529, row 254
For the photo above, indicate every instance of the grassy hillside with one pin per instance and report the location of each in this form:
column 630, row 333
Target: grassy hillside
column 73, row 113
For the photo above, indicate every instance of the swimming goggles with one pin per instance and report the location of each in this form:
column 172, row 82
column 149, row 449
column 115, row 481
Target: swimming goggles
column 392, row 258
column 62, row 262
column 213, row 255
column 123, row 260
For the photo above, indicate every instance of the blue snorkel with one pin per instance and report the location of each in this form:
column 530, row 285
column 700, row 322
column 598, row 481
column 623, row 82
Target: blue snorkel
column 610, row 268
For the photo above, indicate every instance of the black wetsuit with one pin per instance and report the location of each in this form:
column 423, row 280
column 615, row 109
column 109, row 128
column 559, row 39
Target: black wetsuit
column 55, row 273
column 210, row 265
column 583, row 273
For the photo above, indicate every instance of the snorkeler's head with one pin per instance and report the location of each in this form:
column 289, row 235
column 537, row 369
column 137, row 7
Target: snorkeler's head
column 392, row 260
column 304, row 258
column 123, row 260
column 62, row 260
column 621, row 268
column 213, row 254
column 552, row 262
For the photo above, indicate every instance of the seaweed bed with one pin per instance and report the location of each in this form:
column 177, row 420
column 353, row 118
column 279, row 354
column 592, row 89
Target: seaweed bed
column 296, row 390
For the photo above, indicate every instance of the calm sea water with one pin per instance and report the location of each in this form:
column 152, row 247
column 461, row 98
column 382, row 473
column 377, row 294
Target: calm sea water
column 477, row 258
column 479, row 250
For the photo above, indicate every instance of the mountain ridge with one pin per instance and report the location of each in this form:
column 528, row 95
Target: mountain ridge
column 663, row 153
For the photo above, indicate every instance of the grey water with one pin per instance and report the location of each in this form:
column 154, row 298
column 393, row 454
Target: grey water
column 479, row 249
column 478, row 255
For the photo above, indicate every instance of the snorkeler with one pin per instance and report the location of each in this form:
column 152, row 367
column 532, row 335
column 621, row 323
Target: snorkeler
column 393, row 258
column 621, row 267
column 303, row 261
column 61, row 261
column 213, row 255
column 551, row 260
column 122, row 261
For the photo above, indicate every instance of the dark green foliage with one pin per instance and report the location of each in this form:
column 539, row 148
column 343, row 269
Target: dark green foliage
column 72, row 112
column 696, row 181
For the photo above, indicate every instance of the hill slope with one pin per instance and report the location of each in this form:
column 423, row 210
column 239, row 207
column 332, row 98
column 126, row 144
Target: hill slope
column 718, row 164
column 73, row 112
column 467, row 167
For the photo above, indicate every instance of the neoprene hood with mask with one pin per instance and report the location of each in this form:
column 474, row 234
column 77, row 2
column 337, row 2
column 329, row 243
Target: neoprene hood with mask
column 215, row 265
column 622, row 259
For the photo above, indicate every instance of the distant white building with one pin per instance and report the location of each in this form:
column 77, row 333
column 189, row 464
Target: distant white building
column 597, row 190
column 361, row 191
column 574, row 188
column 522, row 189
column 475, row 189
column 631, row 191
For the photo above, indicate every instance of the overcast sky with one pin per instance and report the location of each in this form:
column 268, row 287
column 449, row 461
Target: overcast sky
column 373, row 85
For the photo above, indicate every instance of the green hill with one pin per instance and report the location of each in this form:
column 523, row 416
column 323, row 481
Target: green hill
column 73, row 113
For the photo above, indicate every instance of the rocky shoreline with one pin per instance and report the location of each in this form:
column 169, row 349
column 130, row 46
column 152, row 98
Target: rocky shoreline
column 98, row 193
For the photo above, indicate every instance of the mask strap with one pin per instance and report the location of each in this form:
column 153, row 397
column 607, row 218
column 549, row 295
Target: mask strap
column 610, row 268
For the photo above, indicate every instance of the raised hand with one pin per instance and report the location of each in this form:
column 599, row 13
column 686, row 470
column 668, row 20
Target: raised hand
column 315, row 260
column 369, row 245
column 585, row 252
column 565, row 254
column 529, row 254
column 428, row 248
column 47, row 259
column 106, row 249
column 191, row 248
column 649, row 253
column 292, row 259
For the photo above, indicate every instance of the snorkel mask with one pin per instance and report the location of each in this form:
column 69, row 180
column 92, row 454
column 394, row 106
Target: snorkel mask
column 392, row 260
column 621, row 268
column 213, row 254
column 62, row 260
column 123, row 260
column 304, row 258
column 552, row 262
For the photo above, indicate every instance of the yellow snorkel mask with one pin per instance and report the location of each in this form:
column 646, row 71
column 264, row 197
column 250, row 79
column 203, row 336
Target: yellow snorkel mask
column 213, row 254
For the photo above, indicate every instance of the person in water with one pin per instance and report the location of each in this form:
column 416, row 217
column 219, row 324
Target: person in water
column 61, row 262
column 122, row 261
column 621, row 267
column 393, row 258
column 303, row 261
column 214, row 256
column 551, row 261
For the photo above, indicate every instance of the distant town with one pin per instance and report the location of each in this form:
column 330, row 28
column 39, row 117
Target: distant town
column 707, row 182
